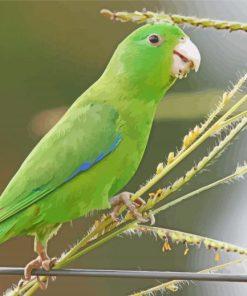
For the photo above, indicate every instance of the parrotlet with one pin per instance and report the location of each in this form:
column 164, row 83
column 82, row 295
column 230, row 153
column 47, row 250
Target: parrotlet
column 97, row 146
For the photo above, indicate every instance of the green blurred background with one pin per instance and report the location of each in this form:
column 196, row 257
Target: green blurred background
column 50, row 52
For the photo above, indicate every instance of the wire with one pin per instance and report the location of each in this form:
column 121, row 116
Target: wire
column 141, row 274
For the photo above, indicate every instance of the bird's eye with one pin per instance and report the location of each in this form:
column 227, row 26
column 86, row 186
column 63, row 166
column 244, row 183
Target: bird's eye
column 154, row 39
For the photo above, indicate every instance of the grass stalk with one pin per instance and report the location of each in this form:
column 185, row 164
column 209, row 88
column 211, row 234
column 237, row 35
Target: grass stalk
column 144, row 16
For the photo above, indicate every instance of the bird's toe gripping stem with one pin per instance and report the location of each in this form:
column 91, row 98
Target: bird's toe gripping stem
column 37, row 263
column 125, row 198
column 42, row 261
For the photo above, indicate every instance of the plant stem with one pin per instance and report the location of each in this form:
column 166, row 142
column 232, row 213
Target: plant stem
column 187, row 239
column 238, row 173
column 173, row 286
column 234, row 118
column 149, row 16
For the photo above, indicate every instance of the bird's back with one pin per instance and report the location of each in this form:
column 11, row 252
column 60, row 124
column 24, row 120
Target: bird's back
column 93, row 150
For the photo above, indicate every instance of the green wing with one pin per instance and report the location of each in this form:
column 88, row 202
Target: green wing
column 86, row 134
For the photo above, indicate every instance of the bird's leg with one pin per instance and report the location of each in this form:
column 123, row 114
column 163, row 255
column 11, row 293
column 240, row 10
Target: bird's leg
column 46, row 262
column 125, row 198
column 42, row 261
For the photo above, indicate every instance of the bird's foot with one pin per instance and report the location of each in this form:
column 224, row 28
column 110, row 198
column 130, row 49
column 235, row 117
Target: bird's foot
column 40, row 262
column 125, row 198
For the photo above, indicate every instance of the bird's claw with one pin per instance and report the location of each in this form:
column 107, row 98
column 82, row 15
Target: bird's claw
column 125, row 198
column 136, row 214
column 114, row 217
column 46, row 264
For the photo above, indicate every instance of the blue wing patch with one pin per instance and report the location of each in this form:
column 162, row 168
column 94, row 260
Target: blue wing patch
column 87, row 165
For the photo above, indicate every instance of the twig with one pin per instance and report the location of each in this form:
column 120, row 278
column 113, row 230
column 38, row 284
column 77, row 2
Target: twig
column 149, row 16
column 170, row 236
column 240, row 172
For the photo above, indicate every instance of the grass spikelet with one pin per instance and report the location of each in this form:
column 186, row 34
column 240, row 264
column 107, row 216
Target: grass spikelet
column 239, row 173
column 149, row 16
column 159, row 168
column 161, row 194
column 188, row 239
column 171, row 157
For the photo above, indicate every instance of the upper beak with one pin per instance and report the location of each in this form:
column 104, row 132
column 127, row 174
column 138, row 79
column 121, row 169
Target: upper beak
column 186, row 57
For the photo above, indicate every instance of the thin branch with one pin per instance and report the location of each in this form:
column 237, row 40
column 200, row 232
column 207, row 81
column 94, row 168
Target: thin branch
column 170, row 236
column 240, row 172
column 199, row 130
column 233, row 118
column 149, row 16
column 161, row 194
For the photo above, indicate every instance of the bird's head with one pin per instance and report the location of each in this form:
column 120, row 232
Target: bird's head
column 154, row 56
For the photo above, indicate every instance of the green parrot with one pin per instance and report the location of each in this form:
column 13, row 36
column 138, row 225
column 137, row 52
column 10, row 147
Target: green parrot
column 97, row 146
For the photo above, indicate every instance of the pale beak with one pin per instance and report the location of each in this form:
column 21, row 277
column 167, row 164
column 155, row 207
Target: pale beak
column 186, row 57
